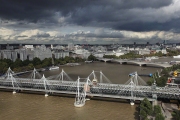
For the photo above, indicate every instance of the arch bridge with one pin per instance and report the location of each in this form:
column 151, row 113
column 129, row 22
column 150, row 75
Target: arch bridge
column 139, row 63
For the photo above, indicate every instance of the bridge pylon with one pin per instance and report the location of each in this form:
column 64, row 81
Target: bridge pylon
column 63, row 76
column 9, row 77
column 35, row 75
column 45, row 85
column 153, row 87
column 93, row 77
column 132, row 88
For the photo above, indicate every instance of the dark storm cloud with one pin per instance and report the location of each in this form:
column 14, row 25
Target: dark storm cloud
column 148, row 26
column 114, row 14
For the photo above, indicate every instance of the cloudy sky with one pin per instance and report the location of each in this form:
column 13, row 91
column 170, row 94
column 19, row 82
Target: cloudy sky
column 89, row 21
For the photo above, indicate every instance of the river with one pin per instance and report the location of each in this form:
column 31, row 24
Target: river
column 21, row 106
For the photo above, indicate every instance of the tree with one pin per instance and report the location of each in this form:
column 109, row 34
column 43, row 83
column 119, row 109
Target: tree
column 3, row 67
column 92, row 57
column 145, row 108
column 157, row 109
column 176, row 114
column 62, row 62
column 26, row 62
column 36, row 61
column 159, row 117
column 18, row 63
column 46, row 62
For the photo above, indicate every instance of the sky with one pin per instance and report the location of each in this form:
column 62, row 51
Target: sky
column 89, row 21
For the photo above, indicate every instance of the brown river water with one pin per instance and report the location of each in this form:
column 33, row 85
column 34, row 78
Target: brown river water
column 22, row 106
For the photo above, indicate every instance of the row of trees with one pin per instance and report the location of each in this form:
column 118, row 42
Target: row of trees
column 165, row 73
column 146, row 110
column 25, row 65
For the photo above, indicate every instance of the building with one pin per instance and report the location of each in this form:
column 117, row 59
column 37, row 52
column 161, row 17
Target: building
column 70, row 46
column 22, row 54
column 144, row 51
column 29, row 47
column 60, row 54
column 42, row 52
column 9, row 54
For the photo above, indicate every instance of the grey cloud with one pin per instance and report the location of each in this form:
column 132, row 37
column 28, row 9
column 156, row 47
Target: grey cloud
column 22, row 36
column 113, row 14
column 44, row 35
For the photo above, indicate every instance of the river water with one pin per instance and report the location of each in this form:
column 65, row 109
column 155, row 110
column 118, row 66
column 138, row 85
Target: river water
column 37, row 107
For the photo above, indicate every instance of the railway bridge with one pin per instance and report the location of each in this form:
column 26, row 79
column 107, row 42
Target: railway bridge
column 96, row 84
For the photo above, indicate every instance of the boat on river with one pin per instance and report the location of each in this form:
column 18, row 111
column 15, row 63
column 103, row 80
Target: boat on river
column 178, row 56
column 54, row 68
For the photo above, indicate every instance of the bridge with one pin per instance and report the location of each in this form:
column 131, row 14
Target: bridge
column 139, row 63
column 96, row 85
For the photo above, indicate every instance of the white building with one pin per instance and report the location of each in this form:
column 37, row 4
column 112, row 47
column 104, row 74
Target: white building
column 42, row 52
column 99, row 54
column 70, row 46
column 9, row 54
column 60, row 54
column 144, row 51
column 22, row 54
column 29, row 47
column 82, row 52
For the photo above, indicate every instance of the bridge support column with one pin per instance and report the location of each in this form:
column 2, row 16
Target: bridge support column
column 132, row 102
column 46, row 95
column 14, row 91
column 139, row 64
column 120, row 62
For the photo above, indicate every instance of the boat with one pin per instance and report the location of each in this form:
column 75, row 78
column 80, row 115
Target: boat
column 80, row 97
column 54, row 68
column 178, row 56
column 90, row 61
column 151, row 58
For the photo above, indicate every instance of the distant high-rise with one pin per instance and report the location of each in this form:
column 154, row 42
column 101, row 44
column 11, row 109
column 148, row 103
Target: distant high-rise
column 70, row 46
column 147, row 43
column 9, row 47
column 134, row 43
column 165, row 42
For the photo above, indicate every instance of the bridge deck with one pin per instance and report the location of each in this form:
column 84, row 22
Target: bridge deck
column 99, row 90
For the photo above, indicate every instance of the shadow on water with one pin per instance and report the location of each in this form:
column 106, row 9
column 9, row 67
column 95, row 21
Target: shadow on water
column 136, row 113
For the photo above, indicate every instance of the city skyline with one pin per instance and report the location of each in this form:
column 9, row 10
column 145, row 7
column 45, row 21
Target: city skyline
column 95, row 21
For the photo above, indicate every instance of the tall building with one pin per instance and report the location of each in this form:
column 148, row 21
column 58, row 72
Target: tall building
column 22, row 54
column 42, row 52
column 60, row 54
column 9, row 54
column 165, row 42
column 9, row 47
column 70, row 46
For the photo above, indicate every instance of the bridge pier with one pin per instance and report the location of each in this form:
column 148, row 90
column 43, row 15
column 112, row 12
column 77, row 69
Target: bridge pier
column 139, row 64
column 132, row 102
column 14, row 92
column 46, row 95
